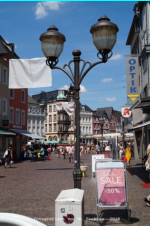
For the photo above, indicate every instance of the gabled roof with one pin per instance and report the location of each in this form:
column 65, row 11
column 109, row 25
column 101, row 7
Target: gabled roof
column 108, row 111
column 118, row 115
column 86, row 107
column 32, row 101
column 7, row 48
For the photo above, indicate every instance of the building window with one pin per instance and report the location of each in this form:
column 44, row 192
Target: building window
column 11, row 115
column 50, row 118
column 17, row 116
column 55, row 108
column 54, row 127
column 50, row 128
column 4, row 108
column 54, row 118
column 89, row 119
column 89, row 129
column 23, row 96
column 12, row 94
column 83, row 129
column 86, row 129
column 5, row 76
column 50, row 108
column 22, row 117
column 61, row 117
column 45, row 128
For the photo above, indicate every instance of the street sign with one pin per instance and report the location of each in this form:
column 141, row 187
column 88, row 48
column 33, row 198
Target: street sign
column 126, row 113
column 132, row 76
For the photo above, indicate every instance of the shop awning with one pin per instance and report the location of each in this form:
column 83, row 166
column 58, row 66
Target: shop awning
column 107, row 135
column 139, row 126
column 6, row 133
column 28, row 134
column 144, row 102
column 52, row 142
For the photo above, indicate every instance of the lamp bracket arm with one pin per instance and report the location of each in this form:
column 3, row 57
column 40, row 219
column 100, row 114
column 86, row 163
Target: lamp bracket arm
column 68, row 65
column 84, row 64
column 66, row 72
column 89, row 68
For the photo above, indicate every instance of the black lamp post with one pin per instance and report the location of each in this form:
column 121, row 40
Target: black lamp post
column 104, row 35
column 102, row 121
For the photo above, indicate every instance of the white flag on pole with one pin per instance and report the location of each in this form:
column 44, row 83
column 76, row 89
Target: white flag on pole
column 29, row 73
column 69, row 107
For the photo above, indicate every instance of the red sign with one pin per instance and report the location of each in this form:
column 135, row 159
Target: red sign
column 111, row 187
column 125, row 112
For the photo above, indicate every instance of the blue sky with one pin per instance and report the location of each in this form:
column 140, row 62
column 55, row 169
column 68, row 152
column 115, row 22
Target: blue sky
column 22, row 23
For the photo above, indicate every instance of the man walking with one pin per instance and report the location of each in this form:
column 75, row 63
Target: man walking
column 70, row 151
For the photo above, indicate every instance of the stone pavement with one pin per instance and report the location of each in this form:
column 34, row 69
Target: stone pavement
column 30, row 189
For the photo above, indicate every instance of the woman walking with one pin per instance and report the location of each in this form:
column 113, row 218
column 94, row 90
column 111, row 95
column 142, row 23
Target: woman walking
column 8, row 157
column 128, row 154
column 49, row 149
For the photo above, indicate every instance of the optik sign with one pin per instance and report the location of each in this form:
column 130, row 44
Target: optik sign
column 132, row 70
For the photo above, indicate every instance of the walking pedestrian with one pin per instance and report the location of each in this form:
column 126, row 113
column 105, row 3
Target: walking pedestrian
column 147, row 200
column 8, row 156
column 85, row 149
column 42, row 153
column 63, row 152
column 128, row 154
column 70, row 150
column 49, row 149
column 121, row 151
column 58, row 152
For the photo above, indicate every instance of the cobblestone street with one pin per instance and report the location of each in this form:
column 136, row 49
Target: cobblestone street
column 30, row 188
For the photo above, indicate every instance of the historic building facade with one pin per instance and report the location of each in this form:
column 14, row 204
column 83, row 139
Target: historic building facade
column 36, row 118
column 86, row 129
column 13, row 102
column 139, row 41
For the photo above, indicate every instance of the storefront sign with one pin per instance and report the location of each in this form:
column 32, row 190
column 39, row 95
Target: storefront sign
column 5, row 122
column 17, row 127
column 111, row 184
column 126, row 113
column 132, row 70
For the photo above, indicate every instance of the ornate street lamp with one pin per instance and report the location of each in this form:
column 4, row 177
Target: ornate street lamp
column 104, row 38
column 101, row 122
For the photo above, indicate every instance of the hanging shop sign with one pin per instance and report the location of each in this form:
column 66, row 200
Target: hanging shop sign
column 111, row 184
column 126, row 113
column 132, row 76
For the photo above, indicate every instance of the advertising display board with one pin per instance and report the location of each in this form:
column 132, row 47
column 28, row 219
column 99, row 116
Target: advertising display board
column 94, row 158
column 111, row 184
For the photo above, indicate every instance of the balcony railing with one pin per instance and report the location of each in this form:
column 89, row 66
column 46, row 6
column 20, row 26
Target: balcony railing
column 64, row 121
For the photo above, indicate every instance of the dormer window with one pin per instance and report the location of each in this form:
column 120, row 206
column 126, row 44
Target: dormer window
column 83, row 108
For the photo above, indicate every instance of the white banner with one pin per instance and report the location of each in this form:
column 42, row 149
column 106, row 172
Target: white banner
column 29, row 73
column 69, row 107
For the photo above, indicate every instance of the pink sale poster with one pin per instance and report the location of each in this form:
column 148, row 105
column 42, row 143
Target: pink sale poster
column 111, row 187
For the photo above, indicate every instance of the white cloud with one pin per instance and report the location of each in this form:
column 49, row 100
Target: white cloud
column 53, row 5
column 107, row 80
column 42, row 8
column 82, row 88
column 101, row 100
column 125, row 76
column 110, row 99
column 66, row 87
column 116, row 57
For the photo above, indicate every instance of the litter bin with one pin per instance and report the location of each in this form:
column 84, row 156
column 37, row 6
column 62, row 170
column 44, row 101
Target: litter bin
column 69, row 208
column 10, row 219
